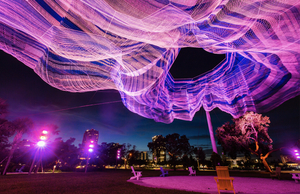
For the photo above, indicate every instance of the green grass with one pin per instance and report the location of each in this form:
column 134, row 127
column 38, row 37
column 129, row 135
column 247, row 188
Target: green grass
column 104, row 182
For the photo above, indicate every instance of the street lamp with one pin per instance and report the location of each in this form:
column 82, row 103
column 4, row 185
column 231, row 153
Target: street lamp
column 41, row 143
column 119, row 153
column 297, row 154
column 43, row 138
column 90, row 150
column 118, row 156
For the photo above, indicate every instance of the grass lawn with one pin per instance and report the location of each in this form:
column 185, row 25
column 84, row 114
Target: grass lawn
column 107, row 181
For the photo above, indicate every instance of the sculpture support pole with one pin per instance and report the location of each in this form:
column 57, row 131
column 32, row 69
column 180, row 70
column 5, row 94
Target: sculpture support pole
column 211, row 132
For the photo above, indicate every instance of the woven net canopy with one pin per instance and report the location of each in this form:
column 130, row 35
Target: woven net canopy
column 130, row 46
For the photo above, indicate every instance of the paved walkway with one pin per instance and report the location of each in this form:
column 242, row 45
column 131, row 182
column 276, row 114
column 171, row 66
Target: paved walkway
column 207, row 184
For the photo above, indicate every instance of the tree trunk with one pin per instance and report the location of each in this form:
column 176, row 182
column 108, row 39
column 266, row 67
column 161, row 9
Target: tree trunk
column 263, row 158
column 265, row 163
column 11, row 152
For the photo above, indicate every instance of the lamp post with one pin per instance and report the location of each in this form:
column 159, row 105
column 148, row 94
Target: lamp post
column 118, row 156
column 90, row 150
column 297, row 155
column 40, row 144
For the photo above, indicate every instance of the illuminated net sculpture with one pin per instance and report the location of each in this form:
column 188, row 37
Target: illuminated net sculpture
column 130, row 45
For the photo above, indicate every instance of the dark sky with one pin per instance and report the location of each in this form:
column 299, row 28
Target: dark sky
column 27, row 95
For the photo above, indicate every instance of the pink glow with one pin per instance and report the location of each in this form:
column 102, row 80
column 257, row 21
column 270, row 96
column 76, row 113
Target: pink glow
column 129, row 46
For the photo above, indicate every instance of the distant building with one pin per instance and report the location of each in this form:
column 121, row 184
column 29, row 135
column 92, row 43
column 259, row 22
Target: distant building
column 89, row 136
column 144, row 156
column 162, row 150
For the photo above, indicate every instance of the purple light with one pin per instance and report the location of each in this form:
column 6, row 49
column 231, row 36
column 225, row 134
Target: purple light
column 41, row 143
column 91, row 150
column 295, row 150
column 297, row 154
column 118, row 153
column 111, row 47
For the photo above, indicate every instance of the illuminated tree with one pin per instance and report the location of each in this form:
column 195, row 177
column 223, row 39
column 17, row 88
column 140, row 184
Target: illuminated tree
column 249, row 132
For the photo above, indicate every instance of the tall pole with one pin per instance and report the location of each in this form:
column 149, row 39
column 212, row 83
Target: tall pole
column 87, row 162
column 211, row 132
column 31, row 167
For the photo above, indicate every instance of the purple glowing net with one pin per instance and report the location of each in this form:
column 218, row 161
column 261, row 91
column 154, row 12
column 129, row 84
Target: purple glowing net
column 130, row 45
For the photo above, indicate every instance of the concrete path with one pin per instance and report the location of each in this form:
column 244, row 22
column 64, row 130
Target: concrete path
column 207, row 184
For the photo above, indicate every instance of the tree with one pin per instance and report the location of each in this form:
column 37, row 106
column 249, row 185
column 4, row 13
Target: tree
column 5, row 131
column 215, row 159
column 177, row 146
column 3, row 108
column 66, row 153
column 248, row 132
column 19, row 126
column 108, row 153
column 200, row 155
column 230, row 139
column 157, row 146
column 132, row 155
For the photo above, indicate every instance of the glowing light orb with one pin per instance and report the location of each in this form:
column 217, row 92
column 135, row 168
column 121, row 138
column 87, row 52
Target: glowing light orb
column 41, row 143
column 129, row 46
column 91, row 150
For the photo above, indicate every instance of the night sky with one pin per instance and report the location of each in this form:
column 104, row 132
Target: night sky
column 29, row 96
